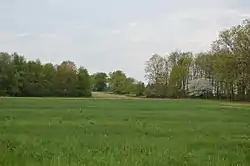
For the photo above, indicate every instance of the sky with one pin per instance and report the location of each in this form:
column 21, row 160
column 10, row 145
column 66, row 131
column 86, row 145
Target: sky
column 110, row 35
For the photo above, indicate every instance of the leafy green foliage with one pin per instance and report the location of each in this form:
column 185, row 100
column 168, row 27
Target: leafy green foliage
column 99, row 82
column 19, row 77
column 119, row 83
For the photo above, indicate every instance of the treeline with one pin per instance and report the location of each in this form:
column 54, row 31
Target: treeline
column 222, row 72
column 19, row 77
column 22, row 78
column 118, row 83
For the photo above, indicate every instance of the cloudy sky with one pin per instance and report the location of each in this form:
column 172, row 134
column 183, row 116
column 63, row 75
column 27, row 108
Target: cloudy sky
column 113, row 34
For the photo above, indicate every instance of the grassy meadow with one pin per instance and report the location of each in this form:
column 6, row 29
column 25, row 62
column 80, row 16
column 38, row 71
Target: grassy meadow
column 124, row 132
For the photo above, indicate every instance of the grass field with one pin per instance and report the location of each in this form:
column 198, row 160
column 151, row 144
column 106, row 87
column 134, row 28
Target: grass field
column 60, row 132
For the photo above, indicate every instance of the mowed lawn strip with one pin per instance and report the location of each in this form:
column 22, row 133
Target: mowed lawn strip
column 90, row 132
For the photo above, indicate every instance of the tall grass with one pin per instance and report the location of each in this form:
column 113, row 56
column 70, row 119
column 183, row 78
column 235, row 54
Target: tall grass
column 60, row 132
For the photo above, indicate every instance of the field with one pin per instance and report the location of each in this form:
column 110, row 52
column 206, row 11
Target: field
column 105, row 132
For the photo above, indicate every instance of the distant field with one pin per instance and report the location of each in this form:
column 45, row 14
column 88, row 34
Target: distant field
column 108, row 95
column 62, row 132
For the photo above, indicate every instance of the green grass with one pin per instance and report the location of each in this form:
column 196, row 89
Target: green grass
column 60, row 132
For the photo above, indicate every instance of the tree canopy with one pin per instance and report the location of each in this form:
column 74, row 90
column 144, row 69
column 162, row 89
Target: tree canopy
column 19, row 77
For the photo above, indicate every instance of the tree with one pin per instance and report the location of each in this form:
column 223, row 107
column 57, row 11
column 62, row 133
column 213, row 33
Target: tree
column 139, row 88
column 156, row 70
column 180, row 63
column 5, row 73
column 99, row 81
column 18, row 66
column 66, row 79
column 33, row 81
column 157, row 74
column 200, row 88
column 84, row 83
column 49, row 79
column 232, row 47
column 156, row 91
column 117, row 82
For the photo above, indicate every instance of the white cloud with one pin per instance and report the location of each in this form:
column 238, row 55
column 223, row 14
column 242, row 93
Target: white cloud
column 48, row 35
column 23, row 34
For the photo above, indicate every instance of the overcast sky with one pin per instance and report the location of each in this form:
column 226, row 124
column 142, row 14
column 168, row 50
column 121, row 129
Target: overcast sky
column 105, row 35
